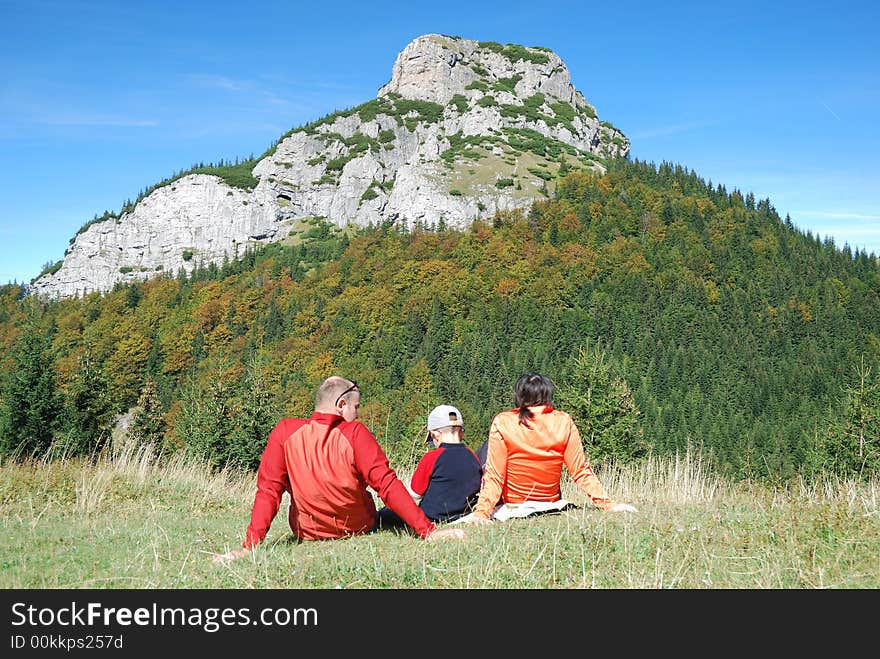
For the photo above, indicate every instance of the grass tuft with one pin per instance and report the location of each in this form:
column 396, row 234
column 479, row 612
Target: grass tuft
column 134, row 517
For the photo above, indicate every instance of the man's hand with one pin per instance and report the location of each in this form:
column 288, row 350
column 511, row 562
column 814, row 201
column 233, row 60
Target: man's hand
column 622, row 508
column 229, row 556
column 439, row 534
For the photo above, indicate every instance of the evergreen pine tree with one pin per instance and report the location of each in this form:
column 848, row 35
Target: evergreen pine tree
column 601, row 404
column 419, row 398
column 205, row 420
column 852, row 445
column 88, row 408
column 254, row 417
column 29, row 401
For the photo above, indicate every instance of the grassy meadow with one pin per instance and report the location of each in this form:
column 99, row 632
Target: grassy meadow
column 132, row 520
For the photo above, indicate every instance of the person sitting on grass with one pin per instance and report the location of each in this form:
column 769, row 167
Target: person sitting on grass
column 325, row 464
column 527, row 447
column 447, row 479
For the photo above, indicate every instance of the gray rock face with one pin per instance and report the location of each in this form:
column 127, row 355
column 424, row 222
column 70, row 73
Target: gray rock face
column 196, row 219
column 463, row 129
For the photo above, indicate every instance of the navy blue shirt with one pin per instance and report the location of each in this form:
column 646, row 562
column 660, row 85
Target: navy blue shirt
column 448, row 479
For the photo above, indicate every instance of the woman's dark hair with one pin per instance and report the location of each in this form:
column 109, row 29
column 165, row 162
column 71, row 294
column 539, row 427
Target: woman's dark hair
column 531, row 389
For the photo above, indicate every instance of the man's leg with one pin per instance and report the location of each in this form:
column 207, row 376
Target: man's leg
column 388, row 519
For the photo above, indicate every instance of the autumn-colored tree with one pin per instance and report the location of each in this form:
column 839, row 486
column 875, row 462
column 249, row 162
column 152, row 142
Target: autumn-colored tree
column 731, row 327
column 148, row 424
column 127, row 361
column 417, row 398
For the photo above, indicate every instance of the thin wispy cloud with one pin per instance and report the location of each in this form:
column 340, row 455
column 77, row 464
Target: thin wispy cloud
column 61, row 105
column 323, row 84
column 834, row 215
column 856, row 229
column 309, row 82
column 219, row 82
column 272, row 99
column 250, row 88
column 278, row 95
column 103, row 121
column 674, row 129
column 833, row 113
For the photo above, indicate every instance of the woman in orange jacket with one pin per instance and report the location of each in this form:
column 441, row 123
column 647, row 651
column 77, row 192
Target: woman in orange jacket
column 527, row 447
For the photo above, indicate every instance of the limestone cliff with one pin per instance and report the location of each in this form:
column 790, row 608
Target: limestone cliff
column 462, row 129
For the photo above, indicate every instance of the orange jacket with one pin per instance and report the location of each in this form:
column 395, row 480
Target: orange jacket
column 525, row 464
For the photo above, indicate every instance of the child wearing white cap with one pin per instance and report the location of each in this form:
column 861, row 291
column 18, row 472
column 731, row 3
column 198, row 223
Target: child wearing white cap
column 447, row 477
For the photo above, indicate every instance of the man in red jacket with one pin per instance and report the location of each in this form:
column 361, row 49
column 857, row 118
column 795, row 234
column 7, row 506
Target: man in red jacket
column 325, row 463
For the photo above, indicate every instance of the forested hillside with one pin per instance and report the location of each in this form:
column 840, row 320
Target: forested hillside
column 670, row 312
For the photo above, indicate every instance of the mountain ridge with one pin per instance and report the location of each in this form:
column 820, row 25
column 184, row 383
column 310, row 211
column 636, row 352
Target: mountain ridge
column 462, row 130
column 738, row 335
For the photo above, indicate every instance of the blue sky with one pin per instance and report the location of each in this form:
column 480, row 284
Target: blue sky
column 100, row 100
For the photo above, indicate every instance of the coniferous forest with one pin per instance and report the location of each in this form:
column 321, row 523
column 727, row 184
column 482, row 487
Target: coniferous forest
column 671, row 313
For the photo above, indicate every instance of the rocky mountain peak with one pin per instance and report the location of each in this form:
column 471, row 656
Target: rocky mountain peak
column 462, row 130
column 435, row 68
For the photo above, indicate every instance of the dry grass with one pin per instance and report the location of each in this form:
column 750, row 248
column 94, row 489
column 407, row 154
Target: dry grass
column 134, row 518
column 683, row 478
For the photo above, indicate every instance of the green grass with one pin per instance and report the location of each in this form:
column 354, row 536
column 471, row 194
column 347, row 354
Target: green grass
column 472, row 168
column 526, row 139
column 478, row 84
column 50, row 269
column 540, row 173
column 460, row 103
column 515, row 52
column 369, row 193
column 135, row 520
column 507, row 84
column 467, row 147
column 237, row 176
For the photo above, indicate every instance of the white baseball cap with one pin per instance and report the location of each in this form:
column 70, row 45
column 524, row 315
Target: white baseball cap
column 443, row 416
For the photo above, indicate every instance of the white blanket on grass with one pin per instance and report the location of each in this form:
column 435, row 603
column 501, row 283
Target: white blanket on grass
column 514, row 510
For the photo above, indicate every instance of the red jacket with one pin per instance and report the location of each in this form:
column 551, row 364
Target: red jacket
column 325, row 464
